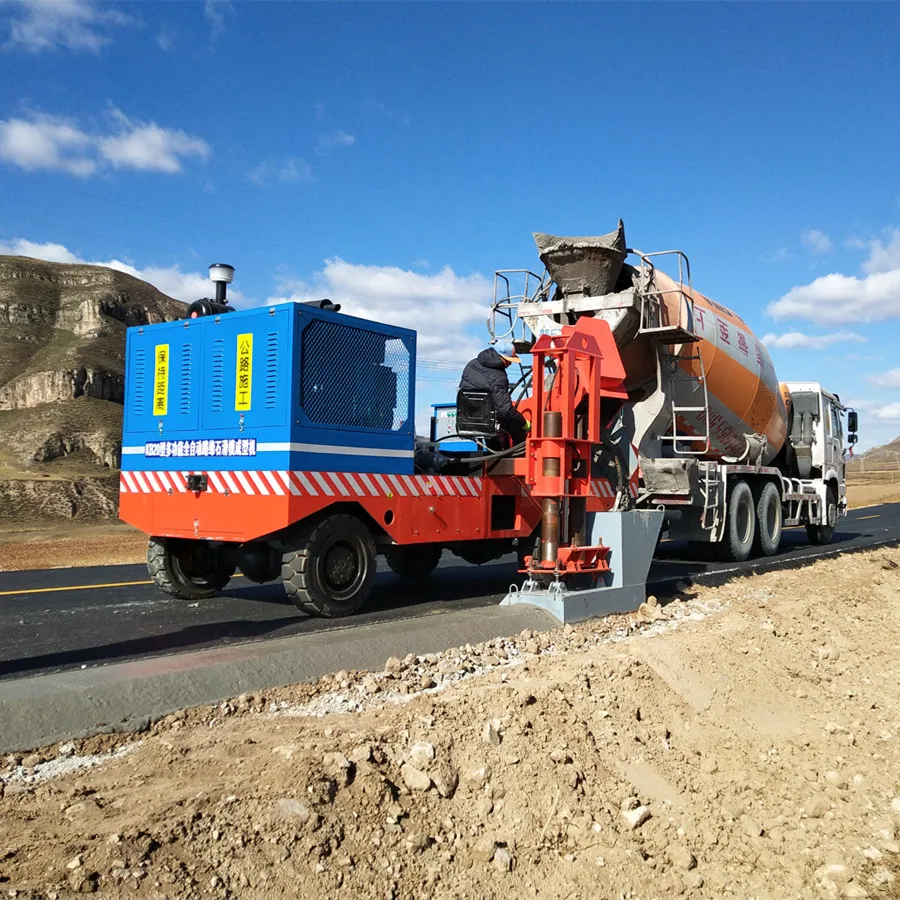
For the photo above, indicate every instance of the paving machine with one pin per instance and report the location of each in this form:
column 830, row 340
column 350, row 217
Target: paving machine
column 280, row 441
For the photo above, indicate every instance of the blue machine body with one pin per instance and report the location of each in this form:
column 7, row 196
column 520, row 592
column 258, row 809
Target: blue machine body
column 284, row 387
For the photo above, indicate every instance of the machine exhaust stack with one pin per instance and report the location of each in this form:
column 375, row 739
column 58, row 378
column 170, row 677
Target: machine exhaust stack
column 221, row 275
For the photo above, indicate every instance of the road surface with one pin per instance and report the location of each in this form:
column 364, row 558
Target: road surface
column 63, row 619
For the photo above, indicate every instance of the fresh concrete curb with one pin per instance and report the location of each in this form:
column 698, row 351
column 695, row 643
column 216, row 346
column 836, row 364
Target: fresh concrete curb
column 41, row 710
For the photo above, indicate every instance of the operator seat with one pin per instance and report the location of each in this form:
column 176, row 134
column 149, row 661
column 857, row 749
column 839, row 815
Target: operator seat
column 475, row 415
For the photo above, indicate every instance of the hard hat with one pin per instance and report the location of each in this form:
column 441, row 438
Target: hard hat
column 507, row 351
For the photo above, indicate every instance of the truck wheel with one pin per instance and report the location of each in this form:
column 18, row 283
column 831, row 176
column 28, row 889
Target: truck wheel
column 822, row 534
column 413, row 562
column 331, row 573
column 768, row 521
column 189, row 570
column 740, row 525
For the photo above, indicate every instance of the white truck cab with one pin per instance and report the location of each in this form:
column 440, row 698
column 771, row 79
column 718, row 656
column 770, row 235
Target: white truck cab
column 817, row 454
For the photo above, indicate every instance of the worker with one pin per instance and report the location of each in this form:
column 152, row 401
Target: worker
column 487, row 372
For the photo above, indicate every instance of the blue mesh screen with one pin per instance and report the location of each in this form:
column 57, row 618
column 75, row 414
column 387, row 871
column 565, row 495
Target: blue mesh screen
column 354, row 378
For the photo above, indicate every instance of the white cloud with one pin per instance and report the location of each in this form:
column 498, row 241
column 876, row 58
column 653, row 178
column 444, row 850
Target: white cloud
column 187, row 286
column 884, row 256
column 289, row 169
column 816, row 241
column 389, row 113
column 44, row 142
column 150, row 147
column 441, row 307
column 50, row 143
column 165, row 37
column 836, row 299
column 215, row 12
column 889, row 379
column 335, row 139
column 796, row 340
column 782, row 254
column 73, row 24
column 889, row 413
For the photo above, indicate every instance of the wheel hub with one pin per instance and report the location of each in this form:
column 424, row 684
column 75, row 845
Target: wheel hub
column 341, row 566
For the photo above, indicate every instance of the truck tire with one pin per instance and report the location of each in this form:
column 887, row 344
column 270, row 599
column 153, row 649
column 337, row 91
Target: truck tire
column 740, row 524
column 186, row 569
column 414, row 562
column 768, row 521
column 331, row 573
column 822, row 534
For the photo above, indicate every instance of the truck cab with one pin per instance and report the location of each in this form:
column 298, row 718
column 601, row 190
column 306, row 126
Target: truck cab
column 816, row 439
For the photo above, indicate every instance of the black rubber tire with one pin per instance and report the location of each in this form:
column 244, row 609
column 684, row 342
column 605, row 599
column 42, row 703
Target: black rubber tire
column 822, row 534
column 413, row 562
column 182, row 568
column 740, row 525
column 768, row 521
column 329, row 548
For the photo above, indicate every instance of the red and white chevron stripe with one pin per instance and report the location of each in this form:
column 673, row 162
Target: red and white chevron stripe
column 321, row 484
column 305, row 484
column 602, row 487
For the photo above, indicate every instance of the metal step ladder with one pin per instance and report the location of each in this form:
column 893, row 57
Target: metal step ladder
column 671, row 334
column 709, row 490
column 684, row 443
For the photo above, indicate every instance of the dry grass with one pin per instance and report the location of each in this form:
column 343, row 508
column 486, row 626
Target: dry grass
column 71, row 546
column 871, row 493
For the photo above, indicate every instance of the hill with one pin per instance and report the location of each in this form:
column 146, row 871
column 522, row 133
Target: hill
column 881, row 458
column 62, row 383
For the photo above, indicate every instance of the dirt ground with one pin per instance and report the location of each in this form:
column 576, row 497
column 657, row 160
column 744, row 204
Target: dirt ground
column 75, row 544
column 742, row 742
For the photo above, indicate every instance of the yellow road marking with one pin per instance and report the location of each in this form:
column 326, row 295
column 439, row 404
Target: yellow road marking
column 79, row 587
column 862, row 518
column 74, row 587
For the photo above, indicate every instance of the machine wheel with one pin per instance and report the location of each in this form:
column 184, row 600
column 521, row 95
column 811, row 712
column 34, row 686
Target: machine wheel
column 740, row 525
column 331, row 573
column 186, row 569
column 413, row 562
column 768, row 521
column 822, row 534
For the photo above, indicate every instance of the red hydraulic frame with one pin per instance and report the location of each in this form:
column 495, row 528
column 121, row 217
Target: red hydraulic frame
column 566, row 428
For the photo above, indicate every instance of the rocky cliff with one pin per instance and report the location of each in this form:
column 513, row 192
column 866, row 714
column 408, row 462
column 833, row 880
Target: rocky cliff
column 62, row 368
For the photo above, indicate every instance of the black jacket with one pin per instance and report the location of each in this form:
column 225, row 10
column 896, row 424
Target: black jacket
column 487, row 372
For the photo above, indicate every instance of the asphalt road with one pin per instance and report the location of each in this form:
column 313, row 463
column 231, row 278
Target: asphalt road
column 60, row 619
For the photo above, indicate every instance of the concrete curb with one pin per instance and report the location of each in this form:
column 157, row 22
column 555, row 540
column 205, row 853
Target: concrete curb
column 38, row 711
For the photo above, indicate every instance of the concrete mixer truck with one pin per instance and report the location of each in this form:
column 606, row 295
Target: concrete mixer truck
column 707, row 433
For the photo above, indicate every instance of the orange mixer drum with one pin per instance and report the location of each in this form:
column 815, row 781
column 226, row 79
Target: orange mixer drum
column 743, row 390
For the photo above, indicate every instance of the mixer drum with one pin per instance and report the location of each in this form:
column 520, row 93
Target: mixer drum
column 743, row 391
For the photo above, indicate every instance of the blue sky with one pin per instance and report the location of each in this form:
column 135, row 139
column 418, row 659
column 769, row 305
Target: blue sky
column 393, row 155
